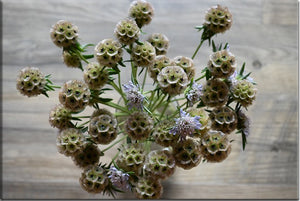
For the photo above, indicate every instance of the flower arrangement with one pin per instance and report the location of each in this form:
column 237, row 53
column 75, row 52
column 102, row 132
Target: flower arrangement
column 188, row 121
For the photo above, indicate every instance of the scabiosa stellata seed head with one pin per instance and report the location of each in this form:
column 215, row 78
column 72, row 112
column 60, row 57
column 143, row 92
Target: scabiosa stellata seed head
column 215, row 146
column 139, row 125
column 74, row 95
column 71, row 60
column 94, row 179
column 215, row 93
column 223, row 119
column 244, row 92
column 194, row 93
column 89, row 155
column 119, row 179
column 108, row 52
column 127, row 31
column 204, row 120
column 31, row 81
column 95, row 76
column 141, row 11
column 60, row 117
column 103, row 126
column 172, row 80
column 160, row 42
column 160, row 163
column 70, row 141
column 143, row 55
column 186, row 64
column 221, row 64
column 148, row 188
column 218, row 19
column 159, row 63
column 64, row 34
column 187, row 153
column 131, row 157
column 243, row 123
column 185, row 125
column 134, row 96
column 162, row 133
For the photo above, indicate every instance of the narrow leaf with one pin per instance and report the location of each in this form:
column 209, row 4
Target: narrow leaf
column 242, row 69
column 214, row 46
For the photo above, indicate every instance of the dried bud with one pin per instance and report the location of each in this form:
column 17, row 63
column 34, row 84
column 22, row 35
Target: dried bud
column 215, row 93
column 223, row 119
column 160, row 42
column 64, row 34
column 60, row 117
column 221, row 64
column 218, row 19
column 141, row 11
column 143, row 55
column 108, row 52
column 95, row 76
column 127, row 31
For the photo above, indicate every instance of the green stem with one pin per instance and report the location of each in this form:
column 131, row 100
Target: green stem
column 144, row 80
column 119, row 90
column 84, row 123
column 196, row 51
column 114, row 158
column 165, row 108
column 116, row 142
column 159, row 103
column 116, row 106
column 203, row 76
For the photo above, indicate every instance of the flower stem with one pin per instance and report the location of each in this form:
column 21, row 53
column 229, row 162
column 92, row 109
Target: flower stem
column 116, row 142
column 196, row 51
column 165, row 108
column 159, row 103
column 144, row 80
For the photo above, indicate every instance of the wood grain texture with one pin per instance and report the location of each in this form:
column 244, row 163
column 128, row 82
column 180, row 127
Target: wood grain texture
column 264, row 35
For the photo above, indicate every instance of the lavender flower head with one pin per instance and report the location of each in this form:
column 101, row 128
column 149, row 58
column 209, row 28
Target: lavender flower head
column 185, row 125
column 119, row 179
column 194, row 94
column 134, row 96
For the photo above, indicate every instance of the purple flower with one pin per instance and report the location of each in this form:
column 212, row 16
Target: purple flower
column 134, row 96
column 185, row 125
column 243, row 123
column 119, row 179
column 194, row 94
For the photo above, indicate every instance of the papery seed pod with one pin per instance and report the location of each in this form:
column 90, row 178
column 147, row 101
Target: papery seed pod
column 89, row 155
column 186, row 64
column 223, row 119
column 127, row 31
column 162, row 133
column 148, row 188
column 143, row 55
column 64, row 34
column 95, row 76
column 139, row 125
column 141, row 11
column 70, row 141
column 31, row 82
column 204, row 120
column 218, row 19
column 221, row 64
column 94, row 179
column 159, row 63
column 60, row 117
column 71, row 60
column 108, row 52
column 215, row 146
column 103, row 126
column 187, row 153
column 244, row 92
column 160, row 42
column 215, row 93
column 172, row 80
column 74, row 95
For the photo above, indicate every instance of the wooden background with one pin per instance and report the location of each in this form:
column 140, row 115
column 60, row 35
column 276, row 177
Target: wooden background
column 264, row 35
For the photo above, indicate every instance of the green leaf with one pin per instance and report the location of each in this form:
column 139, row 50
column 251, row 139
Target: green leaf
column 204, row 70
column 225, row 47
column 105, row 100
column 141, row 71
column 139, row 42
column 199, row 27
column 244, row 138
column 242, row 69
column 245, row 77
column 121, row 64
column 88, row 56
column 207, row 74
column 214, row 46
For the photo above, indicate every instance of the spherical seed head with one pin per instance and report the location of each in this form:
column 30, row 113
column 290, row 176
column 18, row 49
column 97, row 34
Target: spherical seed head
column 94, row 179
column 194, row 93
column 244, row 92
column 95, row 76
column 89, row 155
column 148, row 188
column 159, row 63
column 160, row 163
column 215, row 146
column 64, row 33
column 187, row 153
column 172, row 80
column 139, row 125
column 74, row 95
column 143, row 55
column 243, row 123
column 215, row 93
column 204, row 120
column 186, row 64
column 131, row 158
column 221, row 64
column 31, row 81
column 71, row 60
column 103, row 126
column 141, row 11
column 160, row 42
column 127, row 31
column 60, row 117
column 108, row 52
column 70, row 141
column 223, row 119
column 162, row 133
column 218, row 19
